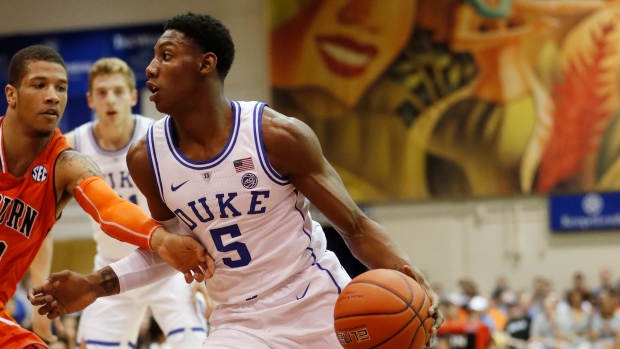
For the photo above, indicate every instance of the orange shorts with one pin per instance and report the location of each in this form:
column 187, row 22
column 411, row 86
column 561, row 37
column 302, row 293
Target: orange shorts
column 13, row 336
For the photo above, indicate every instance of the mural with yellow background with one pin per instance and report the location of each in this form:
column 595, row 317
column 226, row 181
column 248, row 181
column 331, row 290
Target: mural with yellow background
column 418, row 99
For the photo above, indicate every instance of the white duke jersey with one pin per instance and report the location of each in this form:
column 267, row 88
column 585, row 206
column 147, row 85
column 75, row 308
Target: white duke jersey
column 114, row 169
column 251, row 220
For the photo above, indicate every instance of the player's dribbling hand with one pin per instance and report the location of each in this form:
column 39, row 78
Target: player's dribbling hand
column 434, row 309
column 185, row 254
column 62, row 293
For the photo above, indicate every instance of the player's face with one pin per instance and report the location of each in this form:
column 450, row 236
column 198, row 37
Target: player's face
column 41, row 98
column 174, row 72
column 111, row 98
column 347, row 45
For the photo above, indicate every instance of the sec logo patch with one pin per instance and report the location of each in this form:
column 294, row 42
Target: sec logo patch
column 39, row 173
column 249, row 181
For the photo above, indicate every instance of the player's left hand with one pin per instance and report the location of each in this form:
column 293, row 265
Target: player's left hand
column 434, row 309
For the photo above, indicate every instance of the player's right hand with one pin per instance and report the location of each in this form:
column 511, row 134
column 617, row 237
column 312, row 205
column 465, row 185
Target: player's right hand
column 185, row 254
column 62, row 293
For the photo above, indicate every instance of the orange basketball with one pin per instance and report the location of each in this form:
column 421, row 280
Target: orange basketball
column 383, row 308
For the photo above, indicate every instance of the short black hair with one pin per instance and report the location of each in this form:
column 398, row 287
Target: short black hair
column 210, row 35
column 19, row 63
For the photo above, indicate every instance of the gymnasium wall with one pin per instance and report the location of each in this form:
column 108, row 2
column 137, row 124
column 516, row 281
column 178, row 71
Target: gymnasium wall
column 481, row 238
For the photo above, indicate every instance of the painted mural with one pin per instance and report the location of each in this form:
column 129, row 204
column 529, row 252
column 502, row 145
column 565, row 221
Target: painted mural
column 454, row 98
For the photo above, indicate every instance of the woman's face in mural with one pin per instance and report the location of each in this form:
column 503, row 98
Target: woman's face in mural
column 344, row 46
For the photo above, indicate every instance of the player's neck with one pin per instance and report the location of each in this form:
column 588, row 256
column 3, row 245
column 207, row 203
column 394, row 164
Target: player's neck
column 21, row 145
column 111, row 136
column 205, row 120
column 203, row 135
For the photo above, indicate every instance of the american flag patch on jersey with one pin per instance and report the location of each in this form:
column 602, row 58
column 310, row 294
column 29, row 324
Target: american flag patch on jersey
column 243, row 165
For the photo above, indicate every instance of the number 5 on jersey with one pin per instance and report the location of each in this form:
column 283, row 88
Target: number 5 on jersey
column 241, row 248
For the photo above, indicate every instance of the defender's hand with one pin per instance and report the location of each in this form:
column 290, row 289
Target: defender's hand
column 185, row 254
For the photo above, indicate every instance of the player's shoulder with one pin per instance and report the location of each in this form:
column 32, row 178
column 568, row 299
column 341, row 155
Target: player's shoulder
column 277, row 125
column 138, row 153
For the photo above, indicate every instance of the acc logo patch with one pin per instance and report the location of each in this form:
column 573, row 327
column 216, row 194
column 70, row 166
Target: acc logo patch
column 249, row 181
column 39, row 173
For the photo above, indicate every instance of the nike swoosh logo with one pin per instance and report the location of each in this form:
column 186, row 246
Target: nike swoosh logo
column 303, row 295
column 173, row 188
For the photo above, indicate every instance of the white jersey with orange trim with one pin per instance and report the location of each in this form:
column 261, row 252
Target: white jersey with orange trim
column 114, row 169
column 253, row 221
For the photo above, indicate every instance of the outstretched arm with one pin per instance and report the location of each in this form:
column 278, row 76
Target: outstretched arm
column 67, row 292
column 294, row 152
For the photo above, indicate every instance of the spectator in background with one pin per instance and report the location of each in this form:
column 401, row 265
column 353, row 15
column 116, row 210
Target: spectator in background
column 501, row 286
column 605, row 326
column 478, row 307
column 497, row 309
column 549, row 330
column 606, row 282
column 468, row 288
column 452, row 308
column 541, row 288
column 518, row 324
column 578, row 317
column 580, row 285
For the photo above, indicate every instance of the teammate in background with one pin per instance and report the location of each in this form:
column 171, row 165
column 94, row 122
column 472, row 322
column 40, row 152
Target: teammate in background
column 39, row 174
column 236, row 176
column 115, row 321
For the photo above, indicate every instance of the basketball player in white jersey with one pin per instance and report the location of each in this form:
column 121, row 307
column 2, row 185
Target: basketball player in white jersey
column 113, row 322
column 236, row 176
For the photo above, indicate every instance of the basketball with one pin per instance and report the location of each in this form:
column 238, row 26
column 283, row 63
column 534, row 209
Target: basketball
column 383, row 308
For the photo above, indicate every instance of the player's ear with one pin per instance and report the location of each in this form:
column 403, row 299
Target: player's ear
column 11, row 95
column 208, row 62
column 134, row 97
column 89, row 99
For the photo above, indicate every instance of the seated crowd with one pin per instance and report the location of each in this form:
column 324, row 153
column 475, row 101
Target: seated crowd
column 538, row 318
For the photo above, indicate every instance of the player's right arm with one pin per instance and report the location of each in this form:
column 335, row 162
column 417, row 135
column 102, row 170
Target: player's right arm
column 77, row 175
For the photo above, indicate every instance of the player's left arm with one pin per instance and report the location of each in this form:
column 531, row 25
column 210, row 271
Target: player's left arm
column 40, row 268
column 294, row 152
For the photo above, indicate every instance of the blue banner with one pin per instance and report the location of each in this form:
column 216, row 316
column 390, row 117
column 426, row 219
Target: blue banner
column 81, row 49
column 592, row 211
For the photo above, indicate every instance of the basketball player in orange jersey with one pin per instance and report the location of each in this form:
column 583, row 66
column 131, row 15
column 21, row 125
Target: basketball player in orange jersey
column 240, row 177
column 39, row 174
